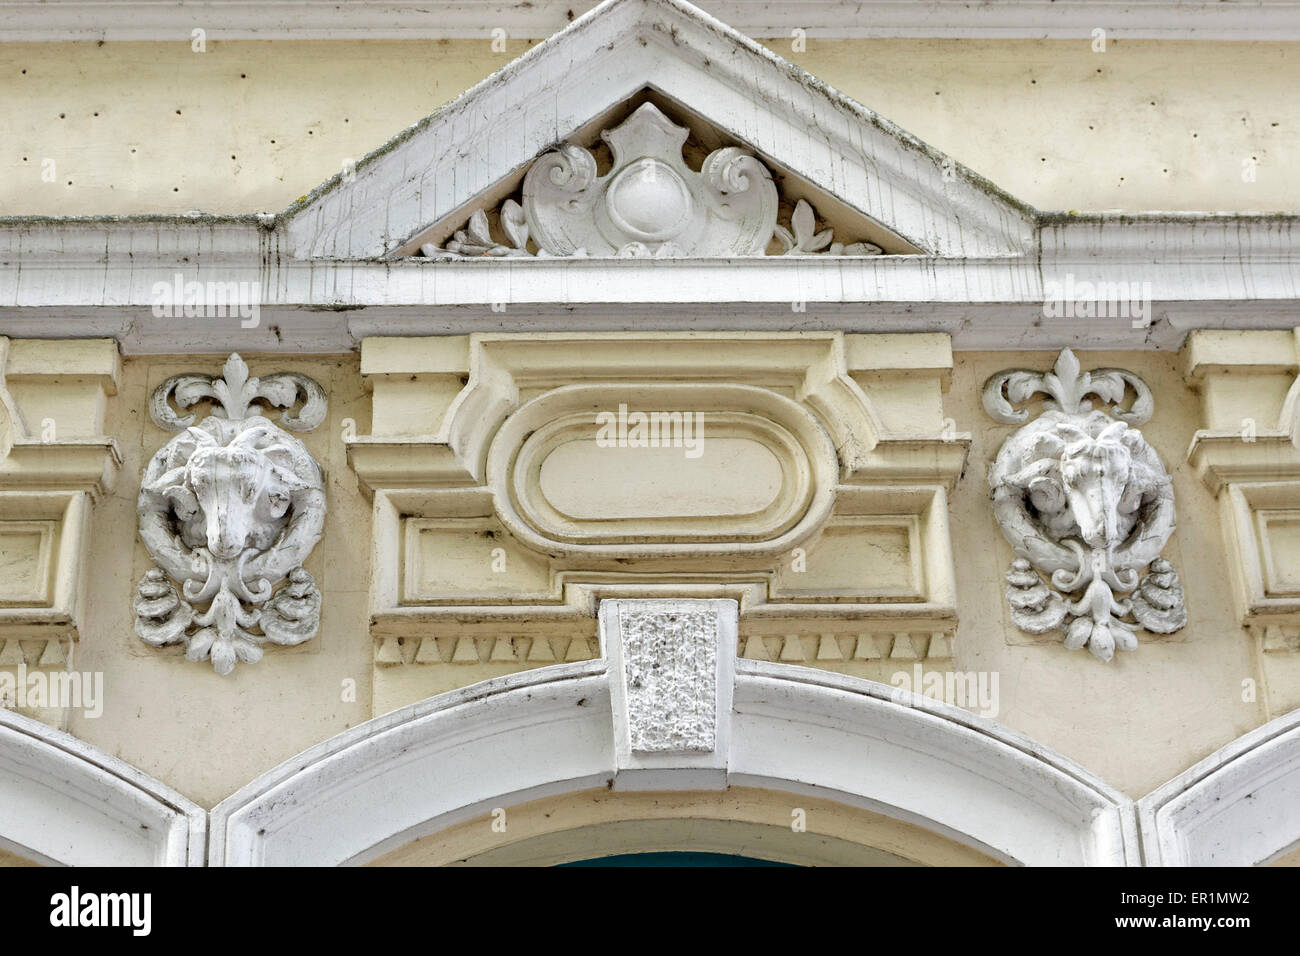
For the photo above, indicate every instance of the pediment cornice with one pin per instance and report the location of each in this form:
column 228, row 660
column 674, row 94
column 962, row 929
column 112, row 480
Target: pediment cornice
column 493, row 131
column 960, row 256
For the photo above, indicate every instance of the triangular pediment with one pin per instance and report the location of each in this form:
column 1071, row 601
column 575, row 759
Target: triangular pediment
column 662, row 181
column 726, row 150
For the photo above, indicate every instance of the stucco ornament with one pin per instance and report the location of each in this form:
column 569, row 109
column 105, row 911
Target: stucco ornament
column 649, row 204
column 1085, row 501
column 229, row 510
column 670, row 662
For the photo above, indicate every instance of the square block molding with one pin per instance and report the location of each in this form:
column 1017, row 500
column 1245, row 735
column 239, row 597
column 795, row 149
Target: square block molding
column 55, row 462
column 807, row 447
column 1248, row 455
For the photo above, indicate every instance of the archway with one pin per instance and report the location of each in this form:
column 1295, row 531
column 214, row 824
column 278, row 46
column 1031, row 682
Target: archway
column 560, row 731
column 1240, row 806
column 62, row 802
column 738, row 823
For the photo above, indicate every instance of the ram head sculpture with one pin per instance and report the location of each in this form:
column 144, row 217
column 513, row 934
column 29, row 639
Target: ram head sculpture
column 1087, row 507
column 229, row 510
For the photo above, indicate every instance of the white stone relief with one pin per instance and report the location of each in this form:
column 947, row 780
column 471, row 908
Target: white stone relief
column 1084, row 500
column 229, row 510
column 670, row 669
column 649, row 204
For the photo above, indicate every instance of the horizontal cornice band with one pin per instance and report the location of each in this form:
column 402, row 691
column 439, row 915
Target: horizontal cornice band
column 173, row 20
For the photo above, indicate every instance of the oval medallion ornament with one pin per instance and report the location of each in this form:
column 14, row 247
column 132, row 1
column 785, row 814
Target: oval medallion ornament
column 650, row 202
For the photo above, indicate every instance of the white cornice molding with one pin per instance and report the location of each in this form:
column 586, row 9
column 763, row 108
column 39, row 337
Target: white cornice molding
column 96, row 277
column 331, row 268
column 173, row 20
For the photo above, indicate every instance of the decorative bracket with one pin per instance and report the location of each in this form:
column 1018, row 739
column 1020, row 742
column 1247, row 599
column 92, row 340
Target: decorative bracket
column 1084, row 500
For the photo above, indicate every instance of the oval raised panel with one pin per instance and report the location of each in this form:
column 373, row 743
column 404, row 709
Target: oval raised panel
column 762, row 479
column 731, row 477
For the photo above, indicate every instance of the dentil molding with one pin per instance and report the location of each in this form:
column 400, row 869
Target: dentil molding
column 229, row 509
column 1086, row 503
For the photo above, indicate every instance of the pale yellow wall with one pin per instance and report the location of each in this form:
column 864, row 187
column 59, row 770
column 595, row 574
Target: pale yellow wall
column 251, row 126
column 1136, row 722
column 137, row 128
column 1150, row 713
column 202, row 733
column 740, row 820
column 8, row 858
column 1290, row 858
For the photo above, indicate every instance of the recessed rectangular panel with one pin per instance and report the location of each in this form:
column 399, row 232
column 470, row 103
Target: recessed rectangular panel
column 720, row 477
column 859, row 558
column 1279, row 542
column 25, row 558
column 467, row 560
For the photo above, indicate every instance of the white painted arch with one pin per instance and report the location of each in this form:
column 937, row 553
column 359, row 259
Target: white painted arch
column 65, row 803
column 551, row 731
column 1240, row 806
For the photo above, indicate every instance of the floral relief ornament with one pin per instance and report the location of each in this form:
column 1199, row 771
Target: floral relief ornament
column 229, row 510
column 650, row 204
column 1087, row 506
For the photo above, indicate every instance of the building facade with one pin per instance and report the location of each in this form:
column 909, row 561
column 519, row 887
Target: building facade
column 652, row 448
